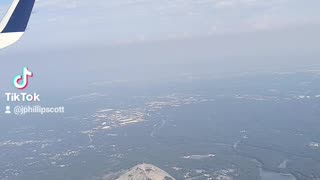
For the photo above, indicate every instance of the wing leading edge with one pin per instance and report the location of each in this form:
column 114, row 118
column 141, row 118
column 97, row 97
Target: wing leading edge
column 15, row 22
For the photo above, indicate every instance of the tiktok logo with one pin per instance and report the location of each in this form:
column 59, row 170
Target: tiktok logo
column 21, row 81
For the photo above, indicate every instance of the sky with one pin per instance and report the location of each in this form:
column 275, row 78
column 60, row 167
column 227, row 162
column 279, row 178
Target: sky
column 130, row 21
column 120, row 39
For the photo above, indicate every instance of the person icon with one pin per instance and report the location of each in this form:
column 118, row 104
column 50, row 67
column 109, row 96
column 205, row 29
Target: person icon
column 8, row 110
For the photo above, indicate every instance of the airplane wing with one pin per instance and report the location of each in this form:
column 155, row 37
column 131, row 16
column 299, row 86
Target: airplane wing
column 15, row 22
